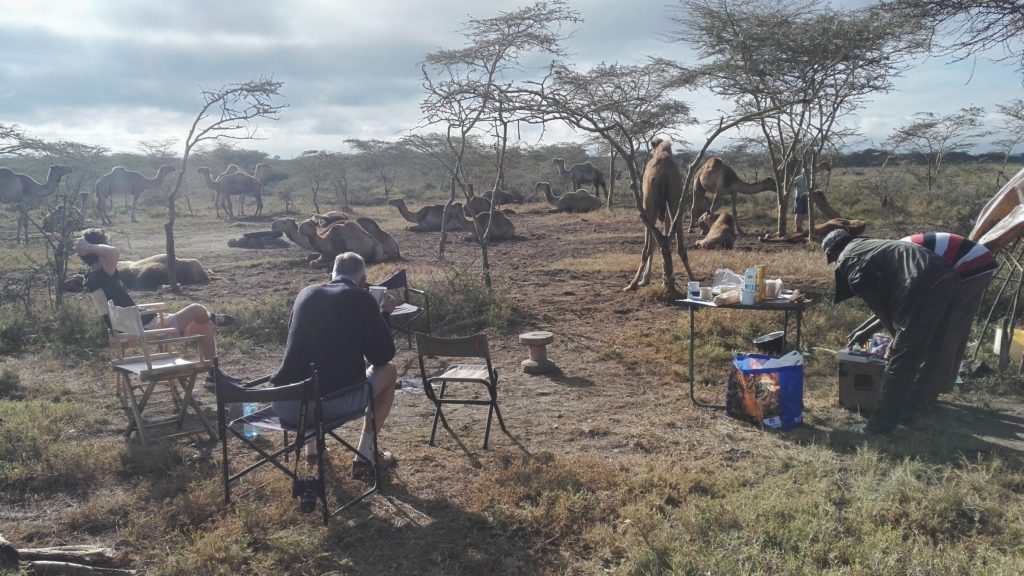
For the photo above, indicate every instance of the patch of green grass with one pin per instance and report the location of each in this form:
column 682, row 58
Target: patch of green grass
column 48, row 447
column 261, row 321
column 461, row 304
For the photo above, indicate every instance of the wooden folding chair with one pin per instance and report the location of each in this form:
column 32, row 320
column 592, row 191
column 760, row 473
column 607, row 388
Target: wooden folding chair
column 475, row 346
column 154, row 365
column 403, row 318
column 309, row 425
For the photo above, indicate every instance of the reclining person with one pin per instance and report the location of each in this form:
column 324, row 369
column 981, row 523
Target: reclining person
column 95, row 250
column 338, row 326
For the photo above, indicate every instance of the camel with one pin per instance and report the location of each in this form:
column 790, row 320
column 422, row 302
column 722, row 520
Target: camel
column 662, row 189
column 721, row 233
column 502, row 229
column 151, row 273
column 235, row 183
column 327, row 218
column 291, row 230
column 338, row 238
column 387, row 242
column 581, row 174
column 578, row 201
column 123, row 181
column 854, row 227
column 21, row 191
column 717, row 177
column 426, row 219
column 500, row 197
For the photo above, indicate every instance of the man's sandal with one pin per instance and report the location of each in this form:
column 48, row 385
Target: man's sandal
column 361, row 469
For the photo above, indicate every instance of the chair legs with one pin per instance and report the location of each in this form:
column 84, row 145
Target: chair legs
column 492, row 410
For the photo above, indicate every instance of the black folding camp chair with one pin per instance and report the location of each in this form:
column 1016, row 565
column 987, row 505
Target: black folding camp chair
column 404, row 317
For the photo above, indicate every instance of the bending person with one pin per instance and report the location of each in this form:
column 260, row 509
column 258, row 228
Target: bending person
column 95, row 250
column 339, row 327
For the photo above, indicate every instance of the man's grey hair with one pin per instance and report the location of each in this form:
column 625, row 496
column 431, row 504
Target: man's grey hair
column 349, row 264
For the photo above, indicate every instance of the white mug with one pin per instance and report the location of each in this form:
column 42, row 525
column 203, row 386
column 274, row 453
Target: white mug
column 378, row 293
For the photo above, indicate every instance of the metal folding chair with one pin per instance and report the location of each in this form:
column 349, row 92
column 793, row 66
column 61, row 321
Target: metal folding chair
column 154, row 365
column 310, row 488
column 475, row 346
column 403, row 318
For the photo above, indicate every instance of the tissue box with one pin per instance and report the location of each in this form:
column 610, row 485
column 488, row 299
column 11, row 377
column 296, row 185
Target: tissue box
column 860, row 380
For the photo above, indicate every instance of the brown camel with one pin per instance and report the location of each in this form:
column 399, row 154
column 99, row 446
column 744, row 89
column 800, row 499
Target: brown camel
column 716, row 177
column 127, row 182
column 578, row 201
column 338, row 238
column 502, row 228
column 663, row 187
column 151, row 273
column 581, row 174
column 21, row 191
column 721, row 233
column 426, row 219
column 291, row 230
column 500, row 197
column 234, row 182
column 327, row 218
column 476, row 204
column 387, row 241
column 854, row 227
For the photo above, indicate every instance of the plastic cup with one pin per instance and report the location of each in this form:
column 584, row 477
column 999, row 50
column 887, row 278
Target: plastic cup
column 378, row 293
column 693, row 289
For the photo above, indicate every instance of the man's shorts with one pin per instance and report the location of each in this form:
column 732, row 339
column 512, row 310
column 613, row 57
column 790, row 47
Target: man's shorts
column 354, row 401
column 800, row 204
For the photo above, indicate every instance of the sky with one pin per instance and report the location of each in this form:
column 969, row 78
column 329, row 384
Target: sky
column 117, row 72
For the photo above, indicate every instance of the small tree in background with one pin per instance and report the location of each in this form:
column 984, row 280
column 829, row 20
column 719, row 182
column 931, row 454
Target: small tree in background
column 933, row 136
column 382, row 158
column 232, row 113
column 1013, row 113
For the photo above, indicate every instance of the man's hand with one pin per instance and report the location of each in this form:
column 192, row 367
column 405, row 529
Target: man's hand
column 860, row 337
column 388, row 304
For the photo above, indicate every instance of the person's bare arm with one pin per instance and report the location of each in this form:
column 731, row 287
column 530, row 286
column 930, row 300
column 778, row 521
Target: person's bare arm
column 107, row 254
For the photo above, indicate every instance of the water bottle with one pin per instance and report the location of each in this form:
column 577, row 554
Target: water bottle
column 749, row 295
column 248, row 430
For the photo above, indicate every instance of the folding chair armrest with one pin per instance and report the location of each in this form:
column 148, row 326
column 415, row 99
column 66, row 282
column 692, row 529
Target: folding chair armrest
column 254, row 383
column 153, row 307
column 159, row 333
column 175, row 340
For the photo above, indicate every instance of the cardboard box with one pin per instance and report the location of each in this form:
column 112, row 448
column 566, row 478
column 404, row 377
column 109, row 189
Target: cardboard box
column 860, row 380
column 1016, row 345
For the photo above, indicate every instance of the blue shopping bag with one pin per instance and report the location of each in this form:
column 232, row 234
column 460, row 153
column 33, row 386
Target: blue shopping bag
column 771, row 396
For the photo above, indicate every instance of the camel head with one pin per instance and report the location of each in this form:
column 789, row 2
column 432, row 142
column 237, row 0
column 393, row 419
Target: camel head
column 58, row 171
column 655, row 142
column 284, row 224
column 165, row 170
column 542, row 186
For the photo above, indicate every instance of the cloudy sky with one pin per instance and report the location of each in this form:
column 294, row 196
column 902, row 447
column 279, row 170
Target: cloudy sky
column 116, row 72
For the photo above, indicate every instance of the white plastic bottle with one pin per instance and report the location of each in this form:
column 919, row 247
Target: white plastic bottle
column 248, row 430
column 749, row 295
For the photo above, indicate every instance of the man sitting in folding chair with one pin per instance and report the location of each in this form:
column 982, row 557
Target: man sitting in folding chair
column 338, row 326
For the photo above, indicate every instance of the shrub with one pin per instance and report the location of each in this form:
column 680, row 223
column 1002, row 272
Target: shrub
column 461, row 304
column 14, row 325
column 10, row 385
column 264, row 321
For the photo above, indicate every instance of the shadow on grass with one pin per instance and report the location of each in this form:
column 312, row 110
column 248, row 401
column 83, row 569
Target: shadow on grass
column 571, row 381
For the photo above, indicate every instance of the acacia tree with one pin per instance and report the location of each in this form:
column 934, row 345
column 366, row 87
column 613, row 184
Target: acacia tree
column 231, row 112
column 469, row 89
column 14, row 141
column 968, row 28
column 933, row 136
column 382, row 158
column 1013, row 113
column 813, row 64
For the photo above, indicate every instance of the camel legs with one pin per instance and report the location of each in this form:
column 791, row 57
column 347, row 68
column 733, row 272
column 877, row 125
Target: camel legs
column 735, row 219
column 643, row 272
column 135, row 201
column 681, row 249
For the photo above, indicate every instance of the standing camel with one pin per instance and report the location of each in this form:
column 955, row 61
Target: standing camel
column 22, row 191
column 581, row 174
column 717, row 177
column 122, row 181
column 663, row 187
column 235, row 183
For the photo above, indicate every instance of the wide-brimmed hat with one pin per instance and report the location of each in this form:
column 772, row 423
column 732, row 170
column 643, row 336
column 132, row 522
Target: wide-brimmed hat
column 834, row 243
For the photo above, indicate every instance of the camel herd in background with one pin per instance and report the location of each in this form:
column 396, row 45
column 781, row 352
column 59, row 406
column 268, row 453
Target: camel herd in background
column 329, row 234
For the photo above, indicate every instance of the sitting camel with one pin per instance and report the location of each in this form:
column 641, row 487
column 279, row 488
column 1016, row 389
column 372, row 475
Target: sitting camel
column 501, row 228
column 581, row 174
column 578, row 201
column 721, row 233
column 291, row 230
column 717, row 178
column 854, row 227
column 426, row 219
column 500, row 197
column 663, row 187
column 387, row 241
column 340, row 237
column 151, row 273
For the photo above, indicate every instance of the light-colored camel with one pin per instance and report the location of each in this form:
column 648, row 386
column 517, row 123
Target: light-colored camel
column 21, row 191
column 716, row 177
column 291, row 230
column 581, row 174
column 127, row 182
column 426, row 219
column 387, row 241
column 501, row 229
column 578, row 201
column 720, row 233
column 854, row 227
column 338, row 238
column 327, row 218
column 151, row 273
column 662, row 189
column 235, row 183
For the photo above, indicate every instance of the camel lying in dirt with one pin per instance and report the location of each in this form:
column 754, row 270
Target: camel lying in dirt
column 578, row 201
column 426, row 219
column 362, row 236
column 721, row 233
column 501, row 229
column 151, row 273
column 854, row 227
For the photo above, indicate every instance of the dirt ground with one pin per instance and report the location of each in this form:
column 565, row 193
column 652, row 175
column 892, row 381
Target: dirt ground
column 610, row 398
